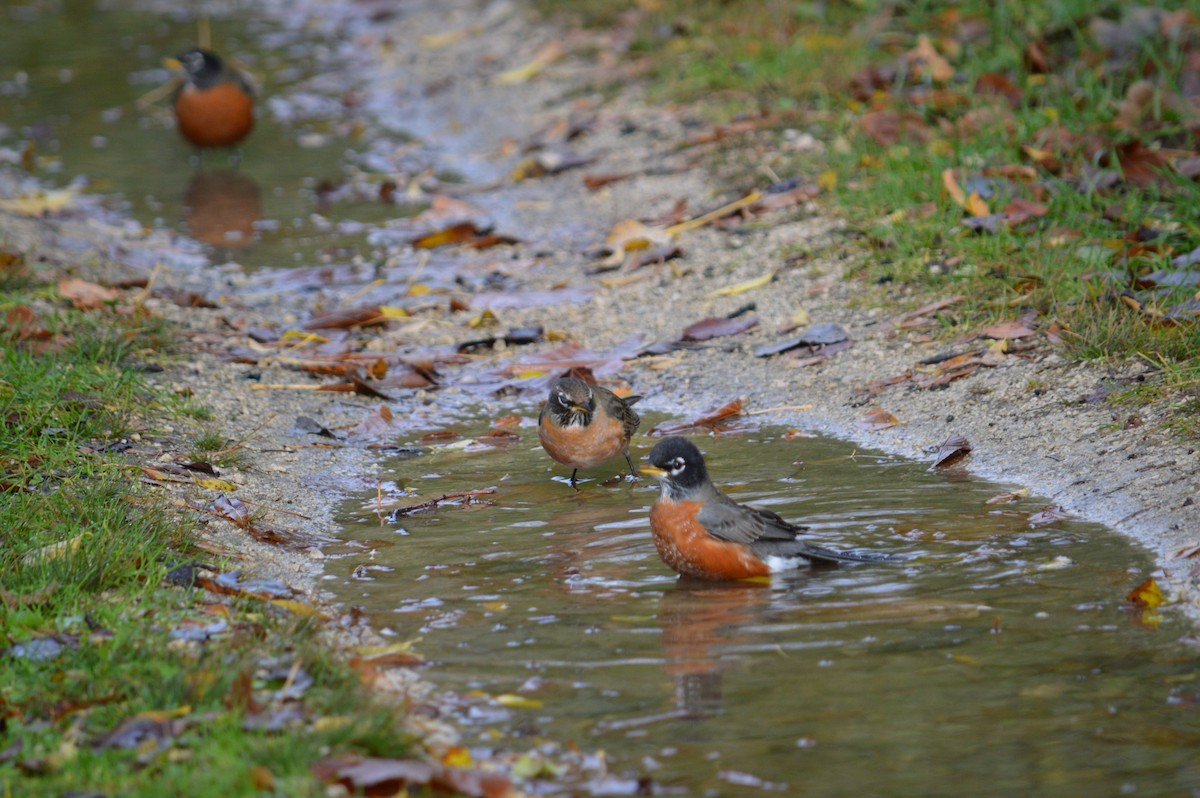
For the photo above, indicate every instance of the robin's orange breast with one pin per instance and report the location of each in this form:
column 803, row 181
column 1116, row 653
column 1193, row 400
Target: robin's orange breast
column 685, row 545
column 583, row 447
column 220, row 116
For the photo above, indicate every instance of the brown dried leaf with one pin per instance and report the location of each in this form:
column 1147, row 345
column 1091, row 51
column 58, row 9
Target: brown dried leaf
column 714, row 419
column 1008, row 329
column 718, row 328
column 85, row 295
column 876, row 419
column 1000, row 86
column 1048, row 515
column 954, row 449
column 888, row 127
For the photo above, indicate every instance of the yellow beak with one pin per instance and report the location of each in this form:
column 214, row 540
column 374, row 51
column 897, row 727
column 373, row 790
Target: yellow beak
column 651, row 471
column 172, row 63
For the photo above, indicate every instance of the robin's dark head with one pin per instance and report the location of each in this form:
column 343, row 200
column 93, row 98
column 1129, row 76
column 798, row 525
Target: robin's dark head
column 678, row 464
column 202, row 68
column 572, row 401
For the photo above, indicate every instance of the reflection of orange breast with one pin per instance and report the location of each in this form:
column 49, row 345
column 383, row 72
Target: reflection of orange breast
column 217, row 117
column 584, row 447
column 687, row 547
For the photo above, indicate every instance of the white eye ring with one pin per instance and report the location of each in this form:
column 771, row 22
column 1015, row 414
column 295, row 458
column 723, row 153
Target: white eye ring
column 677, row 465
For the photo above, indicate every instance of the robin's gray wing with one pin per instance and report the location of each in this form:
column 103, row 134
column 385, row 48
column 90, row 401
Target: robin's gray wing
column 726, row 520
column 619, row 409
column 768, row 533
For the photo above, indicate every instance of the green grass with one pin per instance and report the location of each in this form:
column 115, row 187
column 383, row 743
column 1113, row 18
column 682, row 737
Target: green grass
column 83, row 557
column 810, row 63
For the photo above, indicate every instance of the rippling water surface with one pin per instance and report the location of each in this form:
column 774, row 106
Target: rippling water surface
column 998, row 658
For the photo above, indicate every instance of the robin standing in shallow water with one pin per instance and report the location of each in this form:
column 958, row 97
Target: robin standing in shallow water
column 215, row 105
column 584, row 425
column 701, row 532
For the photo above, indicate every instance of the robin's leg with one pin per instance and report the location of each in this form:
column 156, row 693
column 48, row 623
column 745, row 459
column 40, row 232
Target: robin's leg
column 632, row 472
column 573, row 473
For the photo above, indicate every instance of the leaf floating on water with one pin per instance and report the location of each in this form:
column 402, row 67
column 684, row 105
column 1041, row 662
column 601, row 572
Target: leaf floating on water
column 1007, row 498
column 517, row 701
column 955, row 448
column 1147, row 595
column 720, row 419
column 1048, row 515
column 876, row 419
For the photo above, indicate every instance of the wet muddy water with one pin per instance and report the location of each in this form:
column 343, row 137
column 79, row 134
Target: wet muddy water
column 998, row 658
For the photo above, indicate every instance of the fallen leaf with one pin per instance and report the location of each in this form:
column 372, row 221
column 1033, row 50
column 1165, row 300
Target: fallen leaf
column 546, row 55
column 1008, row 498
column 716, row 419
column 38, row 204
column 929, row 61
column 1147, row 595
column 630, row 234
column 85, row 295
column 1011, row 330
column 825, row 334
column 214, row 483
column 876, row 419
column 1048, row 515
column 998, row 85
column 955, row 448
column 888, row 127
column 744, row 286
column 718, row 327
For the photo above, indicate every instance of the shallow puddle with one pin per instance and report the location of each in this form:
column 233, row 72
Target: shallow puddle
column 998, row 658
column 69, row 82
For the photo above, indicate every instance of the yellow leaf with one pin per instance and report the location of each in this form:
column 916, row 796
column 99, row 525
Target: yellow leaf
column 976, row 206
column 528, row 375
column 1147, row 595
column 457, row 757
column 630, row 234
column 38, row 204
column 435, row 41
column 390, row 312
column 800, row 318
column 372, row 652
column 485, row 319
column 827, row 180
column 953, row 189
column 517, row 701
column 159, row 715
column 419, row 289
column 302, row 335
column 333, row 723
column 548, row 54
column 212, row 483
column 495, row 606
column 743, row 287
column 55, row 550
column 298, row 608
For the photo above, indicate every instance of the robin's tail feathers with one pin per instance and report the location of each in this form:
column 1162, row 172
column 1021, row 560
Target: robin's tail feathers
column 820, row 553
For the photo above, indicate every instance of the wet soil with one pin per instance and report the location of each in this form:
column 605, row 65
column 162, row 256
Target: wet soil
column 1031, row 420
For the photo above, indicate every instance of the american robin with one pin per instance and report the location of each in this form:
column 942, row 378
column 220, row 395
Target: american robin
column 584, row 425
column 701, row 532
column 214, row 107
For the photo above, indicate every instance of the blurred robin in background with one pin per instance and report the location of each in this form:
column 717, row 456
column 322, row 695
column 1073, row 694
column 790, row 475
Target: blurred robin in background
column 584, row 425
column 214, row 107
column 701, row 532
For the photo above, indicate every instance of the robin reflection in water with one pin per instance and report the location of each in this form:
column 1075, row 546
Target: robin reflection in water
column 698, row 620
column 221, row 208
